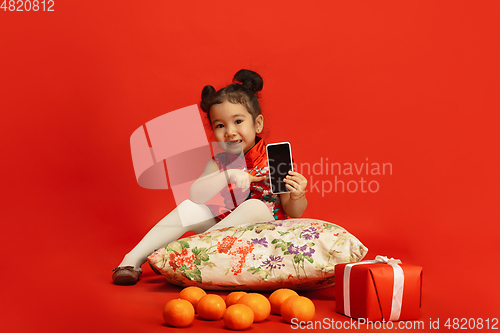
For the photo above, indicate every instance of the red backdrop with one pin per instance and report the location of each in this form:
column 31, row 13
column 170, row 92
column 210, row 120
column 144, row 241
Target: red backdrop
column 412, row 83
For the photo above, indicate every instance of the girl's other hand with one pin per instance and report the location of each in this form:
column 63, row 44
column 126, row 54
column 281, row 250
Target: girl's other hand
column 296, row 183
column 243, row 179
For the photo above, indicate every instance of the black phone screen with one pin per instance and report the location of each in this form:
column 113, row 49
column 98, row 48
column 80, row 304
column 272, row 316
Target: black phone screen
column 279, row 158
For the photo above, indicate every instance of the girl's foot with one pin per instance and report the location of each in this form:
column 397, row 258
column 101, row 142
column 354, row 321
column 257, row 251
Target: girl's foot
column 126, row 276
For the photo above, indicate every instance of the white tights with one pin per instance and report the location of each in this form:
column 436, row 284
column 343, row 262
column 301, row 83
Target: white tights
column 170, row 227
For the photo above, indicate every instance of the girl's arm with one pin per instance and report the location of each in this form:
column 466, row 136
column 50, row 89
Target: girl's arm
column 212, row 181
column 208, row 184
column 294, row 203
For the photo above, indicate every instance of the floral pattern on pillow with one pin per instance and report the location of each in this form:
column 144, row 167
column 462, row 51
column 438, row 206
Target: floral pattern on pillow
column 295, row 253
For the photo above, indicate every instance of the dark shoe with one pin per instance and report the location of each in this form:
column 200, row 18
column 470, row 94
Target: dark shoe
column 126, row 276
column 155, row 269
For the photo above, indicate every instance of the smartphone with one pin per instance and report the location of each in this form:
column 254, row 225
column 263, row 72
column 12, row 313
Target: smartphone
column 279, row 160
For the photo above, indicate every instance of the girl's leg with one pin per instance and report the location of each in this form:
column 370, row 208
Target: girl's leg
column 252, row 210
column 171, row 227
column 188, row 216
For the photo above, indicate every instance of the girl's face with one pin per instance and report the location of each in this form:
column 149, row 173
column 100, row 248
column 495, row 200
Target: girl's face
column 234, row 127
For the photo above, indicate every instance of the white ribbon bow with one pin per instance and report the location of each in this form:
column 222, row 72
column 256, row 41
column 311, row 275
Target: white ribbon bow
column 397, row 291
column 384, row 259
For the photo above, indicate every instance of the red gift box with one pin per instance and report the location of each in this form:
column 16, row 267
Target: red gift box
column 380, row 289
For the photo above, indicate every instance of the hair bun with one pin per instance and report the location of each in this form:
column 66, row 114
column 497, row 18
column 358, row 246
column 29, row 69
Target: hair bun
column 206, row 94
column 249, row 79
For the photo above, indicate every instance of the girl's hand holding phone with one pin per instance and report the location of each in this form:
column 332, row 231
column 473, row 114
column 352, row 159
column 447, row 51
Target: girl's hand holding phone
column 242, row 179
column 296, row 183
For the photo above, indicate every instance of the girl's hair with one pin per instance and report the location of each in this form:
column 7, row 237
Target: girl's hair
column 244, row 92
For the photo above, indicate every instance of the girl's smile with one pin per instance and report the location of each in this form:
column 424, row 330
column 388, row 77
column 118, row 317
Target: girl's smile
column 234, row 127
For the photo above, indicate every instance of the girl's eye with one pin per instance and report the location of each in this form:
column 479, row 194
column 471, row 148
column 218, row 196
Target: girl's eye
column 219, row 126
column 239, row 121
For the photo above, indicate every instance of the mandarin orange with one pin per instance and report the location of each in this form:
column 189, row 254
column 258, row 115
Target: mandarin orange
column 278, row 297
column 178, row 313
column 211, row 307
column 192, row 294
column 233, row 297
column 238, row 317
column 258, row 303
column 299, row 307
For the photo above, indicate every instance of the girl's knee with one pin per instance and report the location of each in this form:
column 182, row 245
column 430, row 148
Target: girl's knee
column 187, row 204
column 254, row 204
column 193, row 213
column 257, row 207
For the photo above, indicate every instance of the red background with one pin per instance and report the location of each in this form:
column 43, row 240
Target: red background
column 411, row 83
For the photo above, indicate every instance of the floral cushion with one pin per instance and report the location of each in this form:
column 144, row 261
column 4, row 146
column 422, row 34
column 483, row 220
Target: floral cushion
column 299, row 254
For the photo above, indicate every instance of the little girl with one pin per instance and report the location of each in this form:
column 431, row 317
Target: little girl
column 235, row 117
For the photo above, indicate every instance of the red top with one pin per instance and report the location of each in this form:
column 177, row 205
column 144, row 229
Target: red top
column 256, row 165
